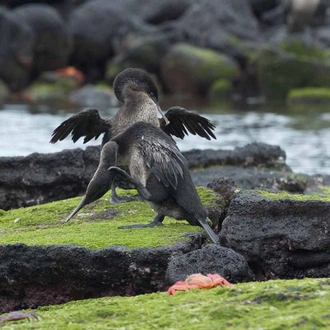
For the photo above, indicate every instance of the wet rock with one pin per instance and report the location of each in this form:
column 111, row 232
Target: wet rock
column 256, row 178
column 52, row 41
column 280, row 238
column 52, row 89
column 144, row 53
column 41, row 178
column 308, row 96
column 16, row 58
column 209, row 260
column 259, row 7
column 224, row 27
column 225, row 187
column 220, row 90
column 100, row 30
column 198, row 66
column 253, row 154
column 281, row 71
column 47, row 275
column 94, row 96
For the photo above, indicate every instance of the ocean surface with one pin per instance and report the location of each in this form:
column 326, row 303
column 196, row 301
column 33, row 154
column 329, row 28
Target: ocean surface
column 305, row 137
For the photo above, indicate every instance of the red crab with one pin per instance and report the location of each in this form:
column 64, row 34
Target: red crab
column 72, row 72
column 199, row 281
column 17, row 315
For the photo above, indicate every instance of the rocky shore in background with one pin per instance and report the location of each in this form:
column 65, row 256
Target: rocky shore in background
column 246, row 51
column 264, row 233
column 272, row 223
column 263, row 236
column 42, row 178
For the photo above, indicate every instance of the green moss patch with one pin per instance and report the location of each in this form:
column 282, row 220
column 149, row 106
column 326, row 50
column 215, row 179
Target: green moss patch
column 281, row 72
column 220, row 90
column 200, row 66
column 325, row 197
column 95, row 226
column 301, row 99
column 52, row 91
column 301, row 304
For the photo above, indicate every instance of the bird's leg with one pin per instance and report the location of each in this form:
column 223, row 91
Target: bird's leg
column 158, row 221
column 120, row 175
column 115, row 199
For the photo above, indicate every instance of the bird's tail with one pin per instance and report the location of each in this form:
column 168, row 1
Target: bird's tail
column 212, row 235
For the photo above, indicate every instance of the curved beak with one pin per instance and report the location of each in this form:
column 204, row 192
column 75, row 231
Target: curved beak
column 161, row 112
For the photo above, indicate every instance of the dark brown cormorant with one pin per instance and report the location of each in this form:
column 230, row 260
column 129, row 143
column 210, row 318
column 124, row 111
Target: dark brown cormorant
column 157, row 170
column 138, row 92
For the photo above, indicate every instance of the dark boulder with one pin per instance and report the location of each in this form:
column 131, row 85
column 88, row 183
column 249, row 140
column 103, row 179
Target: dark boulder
column 212, row 259
column 253, row 154
column 17, row 40
column 41, row 178
column 280, row 238
column 145, row 53
column 100, row 30
column 221, row 25
column 291, row 65
column 164, row 11
column 186, row 69
column 32, row 276
column 52, row 44
column 259, row 7
column 65, row 7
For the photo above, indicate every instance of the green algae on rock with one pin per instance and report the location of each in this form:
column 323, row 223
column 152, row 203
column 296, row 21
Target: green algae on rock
column 279, row 304
column 91, row 228
column 282, row 70
column 220, row 92
column 301, row 99
column 325, row 197
column 198, row 66
column 52, row 88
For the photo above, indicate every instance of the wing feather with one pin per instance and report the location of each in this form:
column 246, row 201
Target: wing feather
column 164, row 160
column 183, row 121
column 87, row 123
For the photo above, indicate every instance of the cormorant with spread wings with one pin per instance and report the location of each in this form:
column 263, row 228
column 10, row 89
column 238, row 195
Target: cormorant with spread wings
column 157, row 170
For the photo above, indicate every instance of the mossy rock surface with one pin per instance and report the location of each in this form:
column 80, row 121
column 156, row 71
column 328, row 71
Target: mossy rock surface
column 323, row 196
column 293, row 304
column 189, row 69
column 95, row 226
column 220, row 90
column 281, row 71
column 52, row 88
column 301, row 99
column 284, row 235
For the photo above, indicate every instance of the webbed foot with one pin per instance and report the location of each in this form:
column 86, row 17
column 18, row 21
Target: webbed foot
column 158, row 221
column 146, row 225
column 115, row 199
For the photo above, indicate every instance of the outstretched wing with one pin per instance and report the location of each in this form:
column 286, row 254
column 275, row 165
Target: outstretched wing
column 164, row 160
column 87, row 123
column 183, row 121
